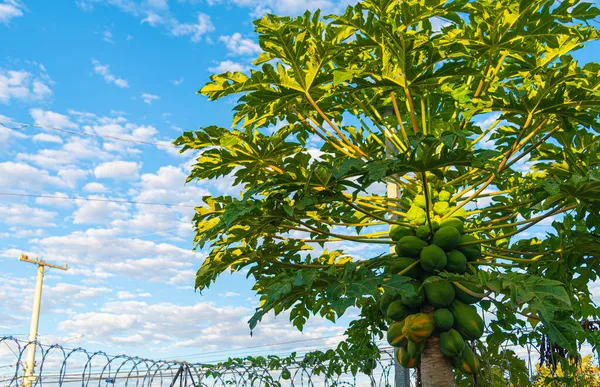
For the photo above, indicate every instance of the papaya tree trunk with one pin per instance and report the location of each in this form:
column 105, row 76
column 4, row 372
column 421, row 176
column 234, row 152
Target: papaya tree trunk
column 436, row 370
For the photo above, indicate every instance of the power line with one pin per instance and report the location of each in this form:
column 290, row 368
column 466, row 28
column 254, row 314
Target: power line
column 23, row 125
column 95, row 199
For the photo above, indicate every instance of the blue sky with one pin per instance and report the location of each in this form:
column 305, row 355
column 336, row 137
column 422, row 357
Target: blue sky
column 128, row 69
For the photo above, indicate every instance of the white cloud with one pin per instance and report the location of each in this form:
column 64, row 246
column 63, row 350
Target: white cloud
column 287, row 7
column 44, row 137
column 73, row 151
column 23, row 86
column 178, row 82
column 95, row 187
column 104, row 71
column 9, row 10
column 99, row 212
column 107, row 35
column 125, row 295
column 194, row 30
column 228, row 65
column 17, row 175
column 156, row 13
column 7, row 134
column 237, row 45
column 149, row 98
column 50, row 119
column 23, row 215
column 71, row 175
column 125, row 170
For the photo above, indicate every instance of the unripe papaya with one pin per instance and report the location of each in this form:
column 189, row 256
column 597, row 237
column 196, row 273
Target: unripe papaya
column 405, row 360
column 433, row 258
column 446, row 237
column 415, row 212
column 401, row 263
column 386, row 299
column 414, row 300
column 444, row 319
column 410, row 246
column 468, row 361
column 451, row 343
column 418, row 327
column 466, row 320
column 465, row 297
column 472, row 251
column 397, row 231
column 457, row 262
column 461, row 213
column 439, row 294
column 420, row 201
column 454, row 222
column 444, row 196
column 395, row 335
column 423, row 232
column 441, row 208
column 397, row 311
column 415, row 349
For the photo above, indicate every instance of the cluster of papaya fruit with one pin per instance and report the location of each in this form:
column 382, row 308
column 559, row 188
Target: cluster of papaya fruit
column 440, row 308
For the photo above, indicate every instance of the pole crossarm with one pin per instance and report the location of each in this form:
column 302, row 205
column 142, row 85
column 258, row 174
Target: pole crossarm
column 40, row 262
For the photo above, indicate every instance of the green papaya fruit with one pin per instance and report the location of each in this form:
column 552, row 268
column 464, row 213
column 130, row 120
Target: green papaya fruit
column 398, row 231
column 444, row 319
column 451, row 343
column 467, row 320
column 465, row 297
column 439, row 294
column 433, row 258
column 410, row 246
column 471, row 251
column 401, row 263
column 457, row 262
column 446, row 237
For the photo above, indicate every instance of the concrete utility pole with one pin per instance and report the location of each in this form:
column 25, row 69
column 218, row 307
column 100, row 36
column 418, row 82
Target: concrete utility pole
column 401, row 374
column 28, row 379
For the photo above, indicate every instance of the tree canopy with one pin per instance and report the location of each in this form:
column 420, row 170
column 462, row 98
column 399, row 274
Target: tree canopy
column 484, row 97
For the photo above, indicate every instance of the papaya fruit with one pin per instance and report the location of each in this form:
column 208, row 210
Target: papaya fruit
column 395, row 335
column 439, row 294
column 433, row 258
column 420, row 221
column 441, row 208
column 444, row 196
column 397, row 231
column 435, row 225
column 402, row 263
column 471, row 252
column 416, row 300
column 415, row 212
column 405, row 360
column 466, row 320
column 420, row 201
column 446, row 237
column 423, row 232
column 456, row 262
column 415, row 349
column 465, row 297
column 410, row 246
column 451, row 343
column 385, row 301
column 397, row 311
column 444, row 319
column 454, row 222
column 468, row 361
column 461, row 213
column 418, row 327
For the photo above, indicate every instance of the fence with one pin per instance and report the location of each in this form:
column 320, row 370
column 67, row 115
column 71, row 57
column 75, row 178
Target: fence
column 59, row 366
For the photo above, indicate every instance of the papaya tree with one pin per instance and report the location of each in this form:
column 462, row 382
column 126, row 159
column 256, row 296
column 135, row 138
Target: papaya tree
column 432, row 164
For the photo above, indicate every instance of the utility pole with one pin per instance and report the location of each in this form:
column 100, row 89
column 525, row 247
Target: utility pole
column 401, row 374
column 35, row 315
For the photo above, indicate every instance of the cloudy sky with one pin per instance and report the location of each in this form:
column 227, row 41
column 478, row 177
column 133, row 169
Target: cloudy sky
column 126, row 69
